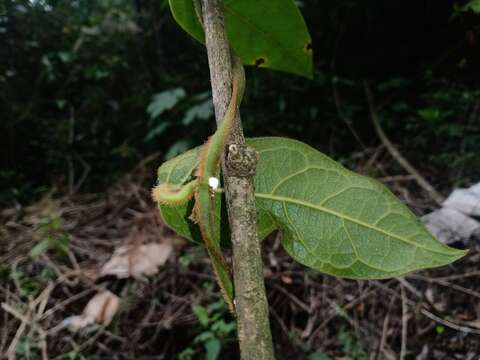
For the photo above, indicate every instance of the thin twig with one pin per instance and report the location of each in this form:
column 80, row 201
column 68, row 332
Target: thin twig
column 430, row 315
column 348, row 122
column 403, row 348
column 422, row 182
column 25, row 319
column 386, row 322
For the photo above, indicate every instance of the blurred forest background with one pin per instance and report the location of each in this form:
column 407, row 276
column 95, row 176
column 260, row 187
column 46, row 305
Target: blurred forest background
column 89, row 89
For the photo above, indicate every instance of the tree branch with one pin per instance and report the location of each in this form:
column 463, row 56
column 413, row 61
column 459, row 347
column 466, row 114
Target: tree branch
column 250, row 298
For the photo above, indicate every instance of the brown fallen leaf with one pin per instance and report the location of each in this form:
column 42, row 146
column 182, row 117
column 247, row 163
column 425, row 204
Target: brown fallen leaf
column 100, row 310
column 137, row 261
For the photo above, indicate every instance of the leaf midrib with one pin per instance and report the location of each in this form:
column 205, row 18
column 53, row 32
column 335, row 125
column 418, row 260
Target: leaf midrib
column 344, row 217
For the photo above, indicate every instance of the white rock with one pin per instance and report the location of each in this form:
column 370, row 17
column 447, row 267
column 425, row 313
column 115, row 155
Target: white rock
column 466, row 201
column 475, row 189
column 449, row 225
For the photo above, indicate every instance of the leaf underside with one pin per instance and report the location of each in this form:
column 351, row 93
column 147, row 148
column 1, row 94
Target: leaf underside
column 270, row 34
column 332, row 220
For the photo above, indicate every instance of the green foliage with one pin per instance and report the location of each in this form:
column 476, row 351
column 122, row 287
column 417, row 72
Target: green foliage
column 52, row 237
column 164, row 101
column 269, row 34
column 77, row 76
column 160, row 103
column 440, row 329
column 27, row 348
column 26, row 285
column 338, row 222
column 173, row 104
column 186, row 16
column 442, row 126
column 332, row 220
column 472, row 5
column 351, row 346
column 215, row 332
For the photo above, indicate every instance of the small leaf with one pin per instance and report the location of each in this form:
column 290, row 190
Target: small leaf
column 222, row 328
column 164, row 101
column 213, row 347
column 58, row 243
column 201, row 314
column 473, row 5
column 41, row 248
column 157, row 130
column 264, row 33
column 332, row 220
column 202, row 111
column 203, row 337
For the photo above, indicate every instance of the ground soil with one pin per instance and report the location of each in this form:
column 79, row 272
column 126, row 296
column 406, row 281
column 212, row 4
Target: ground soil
column 430, row 314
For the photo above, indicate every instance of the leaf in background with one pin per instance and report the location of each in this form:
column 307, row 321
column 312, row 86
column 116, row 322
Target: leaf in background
column 52, row 237
column 264, row 33
column 179, row 147
column 157, row 130
column 212, row 348
column 202, row 111
column 164, row 101
column 201, row 314
column 473, row 5
column 42, row 247
column 332, row 220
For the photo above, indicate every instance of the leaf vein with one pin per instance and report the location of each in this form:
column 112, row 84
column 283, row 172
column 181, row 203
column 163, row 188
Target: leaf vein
column 345, row 217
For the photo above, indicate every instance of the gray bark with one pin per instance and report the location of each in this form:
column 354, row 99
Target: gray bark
column 250, row 299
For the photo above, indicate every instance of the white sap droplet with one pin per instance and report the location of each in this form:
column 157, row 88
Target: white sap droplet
column 213, row 182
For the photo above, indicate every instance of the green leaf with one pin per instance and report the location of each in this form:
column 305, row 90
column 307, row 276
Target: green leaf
column 268, row 33
column 202, row 111
column 203, row 337
column 222, row 328
column 40, row 248
column 184, row 14
column 212, row 348
column 60, row 244
column 332, row 220
column 473, row 5
column 164, row 101
column 156, row 131
column 201, row 314
column 180, row 170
